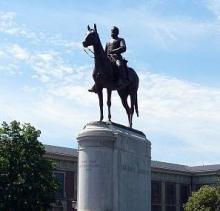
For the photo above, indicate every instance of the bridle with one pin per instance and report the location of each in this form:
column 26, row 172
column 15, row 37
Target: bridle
column 89, row 50
column 88, row 53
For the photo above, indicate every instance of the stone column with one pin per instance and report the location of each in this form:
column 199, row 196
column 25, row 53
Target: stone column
column 114, row 169
column 163, row 196
column 177, row 196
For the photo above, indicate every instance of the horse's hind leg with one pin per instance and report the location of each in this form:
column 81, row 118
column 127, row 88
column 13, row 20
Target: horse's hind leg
column 100, row 95
column 123, row 95
column 109, row 93
column 133, row 101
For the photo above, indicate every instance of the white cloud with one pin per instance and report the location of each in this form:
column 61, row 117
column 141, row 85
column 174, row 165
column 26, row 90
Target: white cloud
column 17, row 52
column 52, row 67
column 8, row 25
column 214, row 6
column 6, row 21
column 185, row 98
column 59, row 41
column 188, row 112
column 76, row 93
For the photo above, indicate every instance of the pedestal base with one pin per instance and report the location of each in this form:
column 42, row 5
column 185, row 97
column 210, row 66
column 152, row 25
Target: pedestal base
column 114, row 169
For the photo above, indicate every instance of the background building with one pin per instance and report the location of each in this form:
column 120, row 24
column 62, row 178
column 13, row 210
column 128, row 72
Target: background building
column 171, row 184
column 66, row 172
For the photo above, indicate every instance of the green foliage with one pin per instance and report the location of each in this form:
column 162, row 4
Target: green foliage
column 26, row 177
column 205, row 199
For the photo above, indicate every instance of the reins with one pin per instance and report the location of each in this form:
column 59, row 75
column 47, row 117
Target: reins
column 88, row 53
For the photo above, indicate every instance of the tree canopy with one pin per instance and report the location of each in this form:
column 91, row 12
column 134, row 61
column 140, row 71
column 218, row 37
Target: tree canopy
column 207, row 198
column 26, row 177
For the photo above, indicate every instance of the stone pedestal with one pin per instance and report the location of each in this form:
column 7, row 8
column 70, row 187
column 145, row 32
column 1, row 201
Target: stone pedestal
column 114, row 169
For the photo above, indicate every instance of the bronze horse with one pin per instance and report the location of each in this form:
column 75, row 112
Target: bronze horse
column 104, row 77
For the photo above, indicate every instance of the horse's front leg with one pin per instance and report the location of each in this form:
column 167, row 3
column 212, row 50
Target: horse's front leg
column 109, row 94
column 100, row 95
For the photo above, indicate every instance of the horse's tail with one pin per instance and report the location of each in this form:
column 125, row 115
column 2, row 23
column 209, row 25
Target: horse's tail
column 136, row 106
column 135, row 83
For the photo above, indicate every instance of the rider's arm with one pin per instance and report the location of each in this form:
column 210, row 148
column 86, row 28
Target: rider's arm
column 121, row 49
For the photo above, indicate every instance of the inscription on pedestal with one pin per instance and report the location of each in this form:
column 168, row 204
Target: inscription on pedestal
column 88, row 164
column 133, row 169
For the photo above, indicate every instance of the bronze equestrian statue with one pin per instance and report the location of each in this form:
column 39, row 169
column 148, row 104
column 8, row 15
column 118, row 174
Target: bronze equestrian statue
column 111, row 72
column 113, row 49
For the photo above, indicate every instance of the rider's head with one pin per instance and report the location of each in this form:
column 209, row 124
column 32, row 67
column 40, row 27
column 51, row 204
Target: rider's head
column 114, row 32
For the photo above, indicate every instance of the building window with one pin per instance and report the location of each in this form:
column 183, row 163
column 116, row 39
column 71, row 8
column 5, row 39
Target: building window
column 156, row 195
column 60, row 177
column 170, row 196
column 184, row 195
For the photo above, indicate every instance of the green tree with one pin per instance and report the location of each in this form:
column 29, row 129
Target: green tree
column 26, row 177
column 205, row 199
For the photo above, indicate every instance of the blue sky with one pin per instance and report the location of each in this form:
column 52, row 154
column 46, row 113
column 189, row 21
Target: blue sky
column 173, row 45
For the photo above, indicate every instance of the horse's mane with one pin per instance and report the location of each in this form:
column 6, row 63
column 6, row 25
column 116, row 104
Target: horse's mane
column 103, row 54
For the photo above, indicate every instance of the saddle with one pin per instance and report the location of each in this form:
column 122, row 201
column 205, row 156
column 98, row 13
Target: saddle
column 116, row 73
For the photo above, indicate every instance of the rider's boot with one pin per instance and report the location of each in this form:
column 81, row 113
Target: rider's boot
column 93, row 89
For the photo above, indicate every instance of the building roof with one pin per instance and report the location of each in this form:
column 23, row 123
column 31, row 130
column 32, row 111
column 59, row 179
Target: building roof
column 61, row 150
column 65, row 151
column 184, row 168
column 169, row 166
column 205, row 168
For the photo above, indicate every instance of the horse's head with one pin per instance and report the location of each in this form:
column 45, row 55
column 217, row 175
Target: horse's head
column 91, row 38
